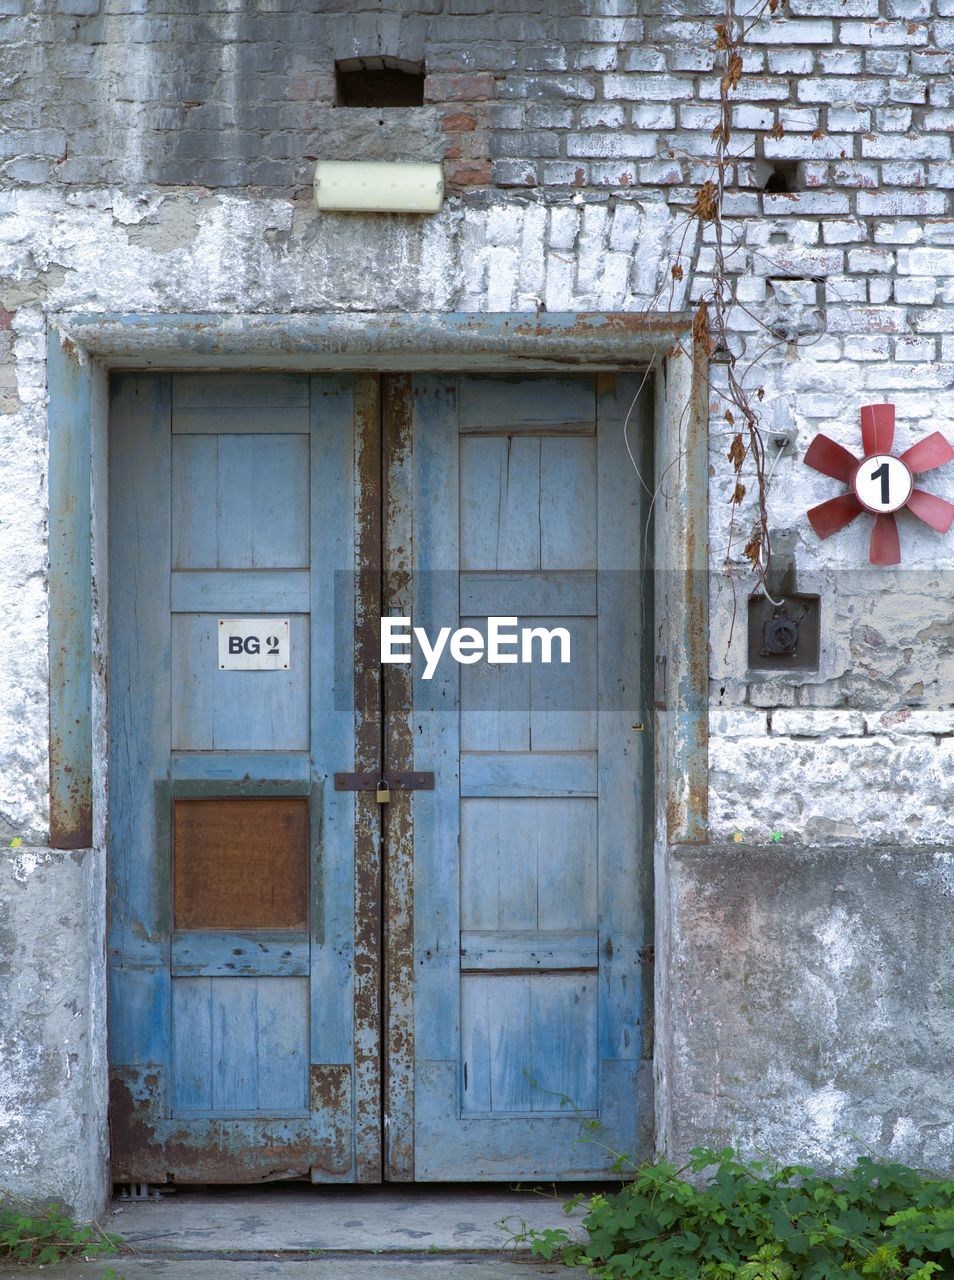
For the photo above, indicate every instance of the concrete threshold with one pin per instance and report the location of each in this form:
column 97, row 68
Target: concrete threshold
column 330, row 1233
column 291, row 1218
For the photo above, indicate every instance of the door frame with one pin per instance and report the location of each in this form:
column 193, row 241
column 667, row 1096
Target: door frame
column 83, row 349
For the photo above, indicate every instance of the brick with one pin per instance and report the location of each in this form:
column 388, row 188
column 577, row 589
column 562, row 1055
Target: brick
column 797, row 32
column 526, row 142
column 572, row 88
column 907, row 89
column 941, row 175
column 909, row 8
column 468, row 173
column 804, row 202
column 920, row 262
column 566, row 174
column 548, row 115
column 879, row 289
column 865, row 260
column 772, row 694
column 849, row 119
column 866, row 320
column 933, row 320
column 941, row 120
column 791, row 62
column 897, row 232
column 907, row 347
column 653, row 87
column 514, row 173
column 902, row 203
column 818, row 722
column 799, row 118
column 884, row 34
column 893, row 119
column 903, row 175
column 610, row 145
column 887, row 62
column 613, row 175
column 874, row 147
column 653, row 116
column 932, row 62
column 597, row 58
column 905, row 720
column 846, row 231
column 738, row 722
column 839, row 62
column 857, row 93
column 468, row 87
column 605, row 115
column 838, row 146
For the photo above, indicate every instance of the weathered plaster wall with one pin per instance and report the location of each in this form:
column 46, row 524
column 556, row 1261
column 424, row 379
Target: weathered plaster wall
column 156, row 157
column 820, row 982
column 53, row 1140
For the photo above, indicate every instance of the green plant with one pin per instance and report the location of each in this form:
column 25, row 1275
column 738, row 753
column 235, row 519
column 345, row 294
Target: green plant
column 41, row 1235
column 740, row 1220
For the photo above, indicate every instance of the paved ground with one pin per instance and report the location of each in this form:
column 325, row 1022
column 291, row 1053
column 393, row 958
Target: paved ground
column 297, row 1232
column 434, row 1268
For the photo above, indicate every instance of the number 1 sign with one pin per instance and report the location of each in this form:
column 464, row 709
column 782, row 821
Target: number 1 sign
column 882, row 482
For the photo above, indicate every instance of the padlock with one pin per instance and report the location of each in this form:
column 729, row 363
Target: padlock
column 383, row 793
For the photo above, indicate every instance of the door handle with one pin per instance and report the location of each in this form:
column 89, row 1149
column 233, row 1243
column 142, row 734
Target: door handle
column 393, row 780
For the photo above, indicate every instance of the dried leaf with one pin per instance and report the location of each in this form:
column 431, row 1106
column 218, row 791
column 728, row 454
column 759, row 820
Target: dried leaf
column 677, row 271
column 729, row 417
column 753, row 548
column 816, row 134
column 777, row 130
column 738, row 494
column 700, row 330
column 736, row 454
column 733, row 73
column 706, row 204
column 761, row 393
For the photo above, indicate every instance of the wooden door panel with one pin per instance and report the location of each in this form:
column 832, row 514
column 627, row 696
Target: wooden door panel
column 232, row 858
column 528, row 854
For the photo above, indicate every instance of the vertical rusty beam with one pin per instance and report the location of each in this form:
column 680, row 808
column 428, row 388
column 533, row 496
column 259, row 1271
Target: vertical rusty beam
column 70, row 635
column 687, row 410
column 368, row 746
column 399, row 755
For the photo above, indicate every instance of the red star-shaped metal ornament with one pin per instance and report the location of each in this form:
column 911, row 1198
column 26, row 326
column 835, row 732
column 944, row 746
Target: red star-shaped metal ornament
column 881, row 482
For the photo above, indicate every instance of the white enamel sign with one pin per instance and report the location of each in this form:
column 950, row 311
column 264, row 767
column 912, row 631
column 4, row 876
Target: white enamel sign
column 883, row 483
column 253, row 644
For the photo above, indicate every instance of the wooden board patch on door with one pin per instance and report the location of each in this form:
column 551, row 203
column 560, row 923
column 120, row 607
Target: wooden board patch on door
column 241, row 863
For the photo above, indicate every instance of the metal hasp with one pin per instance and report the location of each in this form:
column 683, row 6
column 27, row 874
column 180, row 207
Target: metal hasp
column 393, row 780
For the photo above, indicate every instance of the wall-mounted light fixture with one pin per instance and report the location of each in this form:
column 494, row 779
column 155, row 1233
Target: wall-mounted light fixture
column 372, row 186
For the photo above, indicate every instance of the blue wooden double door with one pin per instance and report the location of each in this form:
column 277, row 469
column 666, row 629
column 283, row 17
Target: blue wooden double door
column 308, row 982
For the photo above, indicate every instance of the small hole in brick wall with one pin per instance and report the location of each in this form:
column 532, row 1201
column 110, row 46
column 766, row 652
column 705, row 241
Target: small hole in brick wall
column 784, row 176
column 379, row 82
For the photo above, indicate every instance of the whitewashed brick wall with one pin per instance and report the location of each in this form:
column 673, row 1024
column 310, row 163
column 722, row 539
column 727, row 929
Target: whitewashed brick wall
column 155, row 160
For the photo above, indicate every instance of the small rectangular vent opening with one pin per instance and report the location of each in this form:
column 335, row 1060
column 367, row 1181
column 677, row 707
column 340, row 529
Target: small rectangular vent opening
column 379, row 82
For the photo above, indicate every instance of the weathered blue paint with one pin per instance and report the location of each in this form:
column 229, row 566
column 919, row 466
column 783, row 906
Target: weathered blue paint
column 71, row 733
column 530, row 853
column 687, row 817
column 231, row 1051
column 607, row 340
column 381, row 340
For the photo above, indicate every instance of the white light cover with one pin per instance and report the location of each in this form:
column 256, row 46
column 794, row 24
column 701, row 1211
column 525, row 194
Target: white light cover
column 372, row 186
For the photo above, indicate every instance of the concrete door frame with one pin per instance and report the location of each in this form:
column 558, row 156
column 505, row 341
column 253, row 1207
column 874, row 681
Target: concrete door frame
column 84, row 348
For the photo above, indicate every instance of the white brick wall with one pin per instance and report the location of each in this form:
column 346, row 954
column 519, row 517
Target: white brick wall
column 576, row 144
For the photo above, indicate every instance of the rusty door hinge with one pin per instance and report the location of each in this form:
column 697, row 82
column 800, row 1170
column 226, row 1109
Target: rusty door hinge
column 393, row 780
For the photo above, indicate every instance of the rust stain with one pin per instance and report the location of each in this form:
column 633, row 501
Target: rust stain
column 368, row 755
column 146, row 1146
column 399, row 755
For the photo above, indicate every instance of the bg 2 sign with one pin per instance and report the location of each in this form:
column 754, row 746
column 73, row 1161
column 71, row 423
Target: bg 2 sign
column 253, row 644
